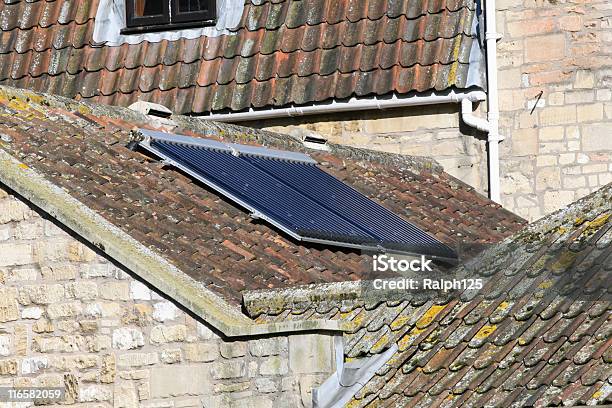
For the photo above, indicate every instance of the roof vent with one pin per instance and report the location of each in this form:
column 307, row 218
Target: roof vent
column 310, row 139
column 151, row 109
column 159, row 114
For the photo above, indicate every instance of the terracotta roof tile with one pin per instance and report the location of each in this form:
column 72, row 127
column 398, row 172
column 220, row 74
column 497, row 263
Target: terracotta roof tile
column 530, row 343
column 357, row 48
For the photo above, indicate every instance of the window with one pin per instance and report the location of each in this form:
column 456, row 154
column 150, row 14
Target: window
column 157, row 15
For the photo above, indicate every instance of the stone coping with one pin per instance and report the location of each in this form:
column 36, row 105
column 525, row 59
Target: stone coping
column 142, row 261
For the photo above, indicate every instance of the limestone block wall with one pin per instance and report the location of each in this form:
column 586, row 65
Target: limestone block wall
column 558, row 149
column 71, row 318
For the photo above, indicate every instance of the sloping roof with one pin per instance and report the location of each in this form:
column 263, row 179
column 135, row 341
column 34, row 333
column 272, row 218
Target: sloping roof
column 282, row 52
column 538, row 334
column 83, row 149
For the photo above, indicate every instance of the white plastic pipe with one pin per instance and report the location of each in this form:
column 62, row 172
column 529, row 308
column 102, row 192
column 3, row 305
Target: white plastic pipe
column 353, row 104
column 491, row 37
column 472, row 120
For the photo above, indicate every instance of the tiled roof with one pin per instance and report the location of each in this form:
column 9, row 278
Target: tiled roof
column 282, row 52
column 539, row 334
column 82, row 148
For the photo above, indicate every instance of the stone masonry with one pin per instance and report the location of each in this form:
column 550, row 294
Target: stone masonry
column 552, row 156
column 71, row 318
column 563, row 150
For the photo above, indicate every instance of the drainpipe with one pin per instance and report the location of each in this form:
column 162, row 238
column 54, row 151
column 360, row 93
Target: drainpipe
column 491, row 37
column 491, row 124
column 472, row 120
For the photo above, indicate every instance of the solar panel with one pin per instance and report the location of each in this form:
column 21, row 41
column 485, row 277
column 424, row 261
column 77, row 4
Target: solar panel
column 289, row 190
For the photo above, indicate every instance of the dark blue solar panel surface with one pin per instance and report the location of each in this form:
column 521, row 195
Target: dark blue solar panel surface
column 302, row 198
column 348, row 203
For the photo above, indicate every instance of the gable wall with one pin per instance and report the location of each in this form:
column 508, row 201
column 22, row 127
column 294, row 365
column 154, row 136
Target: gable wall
column 551, row 157
column 563, row 150
column 69, row 317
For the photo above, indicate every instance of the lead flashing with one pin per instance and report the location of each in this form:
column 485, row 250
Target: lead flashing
column 349, row 378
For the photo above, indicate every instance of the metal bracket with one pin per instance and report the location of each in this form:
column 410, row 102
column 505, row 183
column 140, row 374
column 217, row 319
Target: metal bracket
column 169, row 162
column 493, row 36
column 235, row 152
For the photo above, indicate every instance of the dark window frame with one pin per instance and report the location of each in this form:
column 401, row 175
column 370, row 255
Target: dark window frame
column 190, row 16
column 170, row 19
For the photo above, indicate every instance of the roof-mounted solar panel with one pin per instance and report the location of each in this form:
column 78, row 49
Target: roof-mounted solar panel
column 289, row 190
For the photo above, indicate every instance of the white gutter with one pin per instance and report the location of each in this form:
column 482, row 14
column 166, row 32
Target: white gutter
column 353, row 104
column 491, row 37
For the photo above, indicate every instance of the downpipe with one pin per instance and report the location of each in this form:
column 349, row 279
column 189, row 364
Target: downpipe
column 491, row 38
column 491, row 124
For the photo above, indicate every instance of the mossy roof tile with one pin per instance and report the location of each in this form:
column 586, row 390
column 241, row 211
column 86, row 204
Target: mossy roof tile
column 531, row 342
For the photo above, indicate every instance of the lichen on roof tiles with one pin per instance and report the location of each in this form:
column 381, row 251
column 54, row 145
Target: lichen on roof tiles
column 542, row 337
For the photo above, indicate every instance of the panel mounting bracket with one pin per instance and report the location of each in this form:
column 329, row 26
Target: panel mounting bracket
column 235, row 152
column 169, row 162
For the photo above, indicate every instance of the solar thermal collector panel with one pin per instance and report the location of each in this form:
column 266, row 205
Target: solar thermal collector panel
column 291, row 192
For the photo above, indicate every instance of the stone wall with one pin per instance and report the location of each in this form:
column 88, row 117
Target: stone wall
column 69, row 317
column 552, row 156
column 562, row 150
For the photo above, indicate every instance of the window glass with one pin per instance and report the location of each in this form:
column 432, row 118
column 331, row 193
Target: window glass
column 157, row 15
column 145, row 8
column 186, row 6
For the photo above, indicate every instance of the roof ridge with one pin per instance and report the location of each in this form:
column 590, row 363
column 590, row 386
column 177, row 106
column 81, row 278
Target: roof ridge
column 594, row 203
column 293, row 143
column 200, row 124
